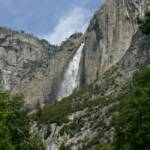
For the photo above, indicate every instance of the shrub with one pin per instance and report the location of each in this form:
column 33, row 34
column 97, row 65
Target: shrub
column 63, row 147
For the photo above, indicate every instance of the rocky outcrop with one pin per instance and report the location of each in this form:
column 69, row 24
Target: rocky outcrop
column 109, row 35
column 33, row 67
column 88, row 125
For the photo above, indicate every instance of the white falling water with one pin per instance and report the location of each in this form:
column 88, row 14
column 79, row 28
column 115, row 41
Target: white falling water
column 71, row 78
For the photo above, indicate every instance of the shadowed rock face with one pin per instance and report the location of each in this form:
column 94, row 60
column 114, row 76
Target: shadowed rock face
column 109, row 35
column 33, row 67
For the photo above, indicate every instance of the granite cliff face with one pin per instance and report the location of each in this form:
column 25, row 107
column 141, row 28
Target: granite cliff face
column 109, row 35
column 114, row 49
column 33, row 67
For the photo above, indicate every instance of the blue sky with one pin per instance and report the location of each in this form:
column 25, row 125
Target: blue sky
column 53, row 20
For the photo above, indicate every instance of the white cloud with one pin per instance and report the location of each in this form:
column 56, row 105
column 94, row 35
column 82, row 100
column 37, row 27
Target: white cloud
column 76, row 20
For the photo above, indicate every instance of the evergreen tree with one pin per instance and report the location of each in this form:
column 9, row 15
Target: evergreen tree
column 133, row 120
column 15, row 125
column 145, row 23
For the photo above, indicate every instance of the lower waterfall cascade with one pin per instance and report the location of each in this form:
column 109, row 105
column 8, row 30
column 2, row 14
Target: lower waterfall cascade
column 71, row 79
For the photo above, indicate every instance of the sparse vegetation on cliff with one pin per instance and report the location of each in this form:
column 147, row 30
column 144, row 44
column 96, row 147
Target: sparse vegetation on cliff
column 78, row 101
column 132, row 122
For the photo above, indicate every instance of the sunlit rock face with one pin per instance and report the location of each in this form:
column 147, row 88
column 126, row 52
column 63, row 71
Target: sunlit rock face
column 71, row 79
column 109, row 35
column 32, row 66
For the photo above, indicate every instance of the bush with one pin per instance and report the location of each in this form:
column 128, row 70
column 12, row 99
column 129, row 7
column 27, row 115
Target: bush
column 104, row 147
column 57, row 113
column 63, row 147
column 32, row 144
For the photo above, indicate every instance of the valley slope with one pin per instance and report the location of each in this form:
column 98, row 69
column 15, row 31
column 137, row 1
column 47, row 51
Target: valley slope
column 114, row 50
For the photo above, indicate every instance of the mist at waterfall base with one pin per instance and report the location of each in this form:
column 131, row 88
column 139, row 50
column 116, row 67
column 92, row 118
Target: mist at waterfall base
column 71, row 79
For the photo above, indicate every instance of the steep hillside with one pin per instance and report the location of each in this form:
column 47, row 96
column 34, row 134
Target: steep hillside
column 137, row 57
column 114, row 50
column 84, row 119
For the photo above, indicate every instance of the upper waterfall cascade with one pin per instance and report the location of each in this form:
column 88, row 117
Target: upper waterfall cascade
column 71, row 79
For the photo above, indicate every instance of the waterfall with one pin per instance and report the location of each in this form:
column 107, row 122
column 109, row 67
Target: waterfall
column 71, row 79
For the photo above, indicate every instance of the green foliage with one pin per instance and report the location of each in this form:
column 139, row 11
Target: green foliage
column 100, row 147
column 32, row 144
column 14, row 124
column 145, row 24
column 5, row 142
column 63, row 147
column 72, row 128
column 133, row 121
column 58, row 112
column 39, row 109
column 141, row 79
